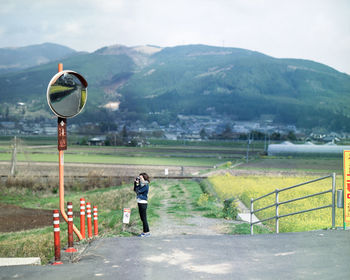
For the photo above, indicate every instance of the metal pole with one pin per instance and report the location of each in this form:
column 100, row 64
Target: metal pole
column 251, row 216
column 247, row 156
column 61, row 174
column 14, row 158
column 277, row 220
column 333, row 200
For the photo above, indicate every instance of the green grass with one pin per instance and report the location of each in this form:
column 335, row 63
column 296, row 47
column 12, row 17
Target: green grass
column 204, row 203
column 154, row 202
column 249, row 186
column 39, row 242
column 179, row 206
column 244, row 228
column 301, row 164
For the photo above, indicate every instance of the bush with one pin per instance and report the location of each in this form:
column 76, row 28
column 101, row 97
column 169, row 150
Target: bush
column 203, row 200
column 207, row 187
column 230, row 210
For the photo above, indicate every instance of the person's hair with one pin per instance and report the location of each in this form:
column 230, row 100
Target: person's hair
column 145, row 176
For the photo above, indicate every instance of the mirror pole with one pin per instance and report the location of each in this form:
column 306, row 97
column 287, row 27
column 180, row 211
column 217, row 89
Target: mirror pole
column 62, row 145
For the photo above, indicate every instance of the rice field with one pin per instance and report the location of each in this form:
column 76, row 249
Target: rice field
column 247, row 187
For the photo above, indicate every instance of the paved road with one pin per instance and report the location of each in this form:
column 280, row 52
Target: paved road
column 311, row 255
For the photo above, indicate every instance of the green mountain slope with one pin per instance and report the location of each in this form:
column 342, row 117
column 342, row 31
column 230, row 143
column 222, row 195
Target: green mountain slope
column 151, row 83
column 201, row 79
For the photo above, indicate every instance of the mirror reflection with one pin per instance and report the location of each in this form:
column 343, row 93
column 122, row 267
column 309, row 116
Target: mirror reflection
column 67, row 94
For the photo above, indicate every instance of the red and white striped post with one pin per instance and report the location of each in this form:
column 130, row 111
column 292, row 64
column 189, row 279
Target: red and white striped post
column 95, row 221
column 82, row 217
column 57, row 241
column 70, row 248
column 88, row 216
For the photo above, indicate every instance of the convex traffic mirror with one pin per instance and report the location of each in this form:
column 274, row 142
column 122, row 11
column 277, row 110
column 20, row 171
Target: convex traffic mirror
column 67, row 94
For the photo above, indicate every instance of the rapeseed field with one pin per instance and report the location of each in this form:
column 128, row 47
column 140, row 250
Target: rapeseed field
column 247, row 187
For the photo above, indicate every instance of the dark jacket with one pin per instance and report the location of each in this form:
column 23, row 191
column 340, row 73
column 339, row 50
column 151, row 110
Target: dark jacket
column 141, row 190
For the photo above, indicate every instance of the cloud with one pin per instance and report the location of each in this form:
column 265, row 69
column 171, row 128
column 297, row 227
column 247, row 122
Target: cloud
column 315, row 29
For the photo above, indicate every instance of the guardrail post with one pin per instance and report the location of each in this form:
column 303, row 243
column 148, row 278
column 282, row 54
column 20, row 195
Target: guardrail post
column 82, row 217
column 333, row 200
column 251, row 216
column 277, row 219
column 57, row 241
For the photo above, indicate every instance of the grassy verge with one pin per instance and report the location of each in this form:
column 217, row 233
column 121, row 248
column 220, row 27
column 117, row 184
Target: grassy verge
column 244, row 228
column 207, row 203
column 31, row 243
column 247, row 187
column 178, row 206
column 39, row 242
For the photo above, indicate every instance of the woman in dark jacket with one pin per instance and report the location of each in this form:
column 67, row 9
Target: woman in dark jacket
column 141, row 187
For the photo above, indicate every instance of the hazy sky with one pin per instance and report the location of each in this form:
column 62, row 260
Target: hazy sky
column 311, row 29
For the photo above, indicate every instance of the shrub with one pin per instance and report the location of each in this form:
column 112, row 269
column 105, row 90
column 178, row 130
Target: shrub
column 230, row 209
column 207, row 187
column 203, row 200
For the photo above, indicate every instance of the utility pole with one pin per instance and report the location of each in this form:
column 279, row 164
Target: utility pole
column 14, row 158
column 247, row 157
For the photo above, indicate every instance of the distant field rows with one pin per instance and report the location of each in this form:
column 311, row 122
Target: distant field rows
column 150, row 155
column 111, row 159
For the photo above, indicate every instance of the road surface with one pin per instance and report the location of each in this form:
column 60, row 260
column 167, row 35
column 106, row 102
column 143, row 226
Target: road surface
column 308, row 255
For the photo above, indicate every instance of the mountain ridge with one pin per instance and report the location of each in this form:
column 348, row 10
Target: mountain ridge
column 151, row 83
column 19, row 58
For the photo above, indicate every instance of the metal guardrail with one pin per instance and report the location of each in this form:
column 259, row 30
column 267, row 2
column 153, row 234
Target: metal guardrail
column 278, row 203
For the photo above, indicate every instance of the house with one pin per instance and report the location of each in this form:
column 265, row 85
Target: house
column 97, row 141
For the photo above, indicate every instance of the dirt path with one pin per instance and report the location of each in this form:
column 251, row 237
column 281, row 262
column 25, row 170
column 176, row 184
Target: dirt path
column 177, row 217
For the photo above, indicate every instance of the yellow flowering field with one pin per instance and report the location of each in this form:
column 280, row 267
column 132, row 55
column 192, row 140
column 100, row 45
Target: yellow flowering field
column 247, row 187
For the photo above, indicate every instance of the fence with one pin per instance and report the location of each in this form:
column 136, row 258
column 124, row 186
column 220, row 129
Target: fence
column 277, row 203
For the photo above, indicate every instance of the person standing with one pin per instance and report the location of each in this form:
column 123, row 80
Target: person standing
column 141, row 187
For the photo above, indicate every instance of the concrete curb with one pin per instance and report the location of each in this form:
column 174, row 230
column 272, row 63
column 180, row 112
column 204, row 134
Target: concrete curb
column 246, row 218
column 19, row 261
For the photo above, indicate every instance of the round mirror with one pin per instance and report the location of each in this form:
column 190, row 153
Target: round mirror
column 67, row 94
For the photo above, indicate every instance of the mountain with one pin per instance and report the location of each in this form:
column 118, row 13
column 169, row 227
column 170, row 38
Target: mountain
column 244, row 84
column 150, row 83
column 12, row 59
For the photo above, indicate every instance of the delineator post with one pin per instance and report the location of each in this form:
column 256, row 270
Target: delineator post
column 57, row 241
column 95, row 221
column 70, row 248
column 88, row 218
column 82, row 217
